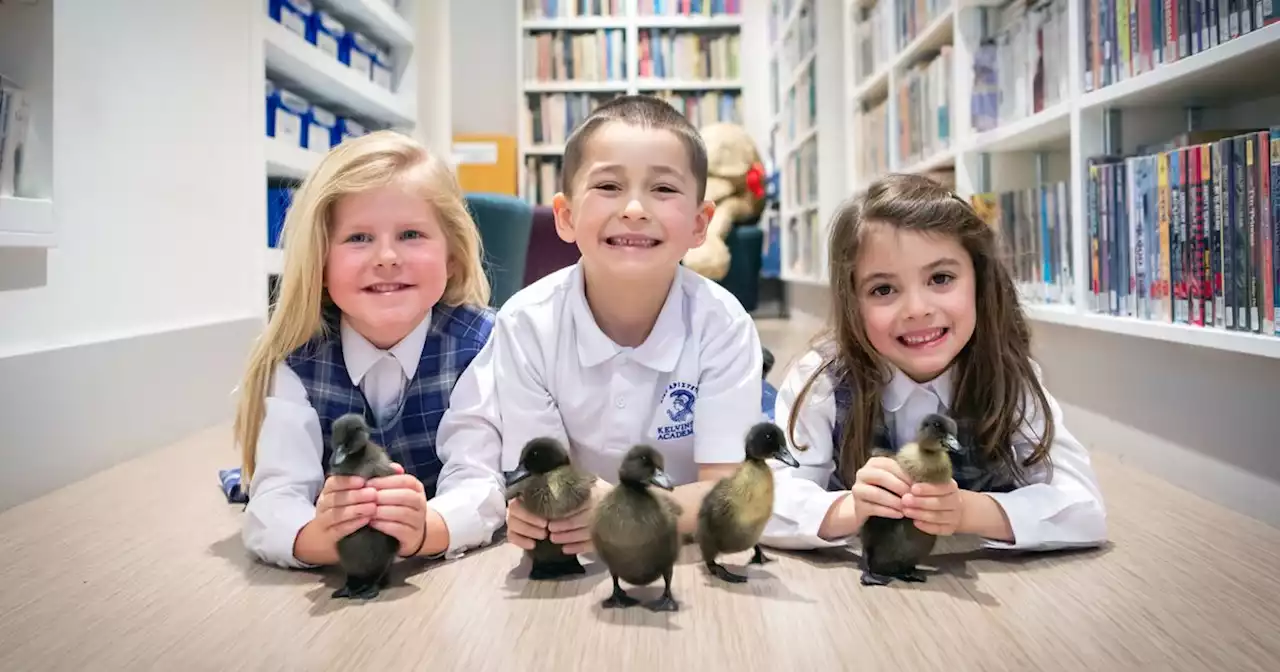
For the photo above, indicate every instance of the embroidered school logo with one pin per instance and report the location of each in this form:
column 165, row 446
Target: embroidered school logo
column 677, row 404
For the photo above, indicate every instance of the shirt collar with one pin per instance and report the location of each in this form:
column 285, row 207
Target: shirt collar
column 660, row 351
column 360, row 355
column 901, row 388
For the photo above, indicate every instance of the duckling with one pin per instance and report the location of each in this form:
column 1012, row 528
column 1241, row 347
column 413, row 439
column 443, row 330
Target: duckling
column 735, row 510
column 366, row 554
column 634, row 529
column 891, row 547
column 549, row 487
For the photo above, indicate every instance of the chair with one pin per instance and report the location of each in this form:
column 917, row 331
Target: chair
column 547, row 252
column 505, row 223
column 746, row 247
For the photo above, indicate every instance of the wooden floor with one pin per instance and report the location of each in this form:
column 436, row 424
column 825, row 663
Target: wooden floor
column 141, row 567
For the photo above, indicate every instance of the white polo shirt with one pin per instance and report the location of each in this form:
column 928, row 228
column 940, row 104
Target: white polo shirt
column 692, row 389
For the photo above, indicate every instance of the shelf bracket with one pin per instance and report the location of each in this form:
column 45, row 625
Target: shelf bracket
column 1195, row 118
column 1040, row 168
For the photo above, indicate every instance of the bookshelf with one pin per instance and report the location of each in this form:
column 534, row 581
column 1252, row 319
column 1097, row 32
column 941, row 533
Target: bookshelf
column 570, row 61
column 26, row 126
column 1034, row 116
column 808, row 129
column 331, row 70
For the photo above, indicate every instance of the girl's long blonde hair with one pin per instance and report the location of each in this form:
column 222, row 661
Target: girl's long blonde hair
column 359, row 164
column 994, row 377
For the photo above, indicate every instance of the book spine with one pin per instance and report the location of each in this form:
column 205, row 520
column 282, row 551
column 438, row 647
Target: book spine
column 1162, row 213
column 1215, row 252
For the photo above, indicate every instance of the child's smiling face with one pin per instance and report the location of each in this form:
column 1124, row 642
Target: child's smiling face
column 634, row 209
column 916, row 294
column 387, row 262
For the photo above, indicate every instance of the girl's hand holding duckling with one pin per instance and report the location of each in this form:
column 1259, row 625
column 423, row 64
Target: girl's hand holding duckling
column 936, row 509
column 574, row 532
column 878, row 489
column 345, row 505
column 401, row 510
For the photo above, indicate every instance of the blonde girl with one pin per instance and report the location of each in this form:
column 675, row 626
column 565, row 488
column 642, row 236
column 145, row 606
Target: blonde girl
column 925, row 319
column 382, row 306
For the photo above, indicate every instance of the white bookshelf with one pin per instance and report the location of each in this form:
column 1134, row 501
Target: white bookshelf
column 1223, row 86
column 26, row 63
column 301, row 67
column 631, row 20
column 807, row 50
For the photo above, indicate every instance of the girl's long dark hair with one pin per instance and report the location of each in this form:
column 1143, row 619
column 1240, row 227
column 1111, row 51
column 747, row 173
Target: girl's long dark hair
column 993, row 374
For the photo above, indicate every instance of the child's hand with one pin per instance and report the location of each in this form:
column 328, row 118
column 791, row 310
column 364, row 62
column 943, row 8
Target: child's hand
column 936, row 509
column 878, row 489
column 401, row 510
column 574, row 532
column 345, row 505
column 523, row 528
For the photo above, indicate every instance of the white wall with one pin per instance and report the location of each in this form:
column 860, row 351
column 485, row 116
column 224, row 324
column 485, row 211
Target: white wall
column 484, row 40
column 1198, row 418
column 132, row 331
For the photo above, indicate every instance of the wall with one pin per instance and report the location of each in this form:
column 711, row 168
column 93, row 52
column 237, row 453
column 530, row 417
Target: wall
column 132, row 331
column 484, row 36
column 1195, row 417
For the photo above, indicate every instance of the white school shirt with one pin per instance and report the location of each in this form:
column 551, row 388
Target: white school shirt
column 1064, row 511
column 692, row 390
column 289, row 474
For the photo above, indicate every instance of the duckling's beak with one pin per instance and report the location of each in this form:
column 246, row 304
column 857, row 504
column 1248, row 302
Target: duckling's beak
column 339, row 456
column 784, row 456
column 952, row 444
column 661, row 479
column 518, row 475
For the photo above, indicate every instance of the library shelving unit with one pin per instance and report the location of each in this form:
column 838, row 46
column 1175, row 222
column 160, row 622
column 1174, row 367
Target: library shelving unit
column 570, row 61
column 808, row 129
column 26, row 110
column 327, row 67
column 1125, row 175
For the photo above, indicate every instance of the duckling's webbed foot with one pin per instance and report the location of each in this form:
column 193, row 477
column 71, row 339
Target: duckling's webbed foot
column 912, row 575
column 619, row 599
column 666, row 602
column 555, row 569
column 724, row 574
column 760, row 558
column 357, row 589
column 871, row 579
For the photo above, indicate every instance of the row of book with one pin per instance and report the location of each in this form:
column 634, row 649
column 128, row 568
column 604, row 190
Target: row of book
column 871, row 153
column 684, row 55
column 801, row 176
column 924, row 109
column 593, row 56
column 549, row 118
column 801, row 40
column 805, row 250
column 541, row 178
column 873, row 39
column 1125, row 38
column 572, row 9
column 801, row 109
column 15, row 125
column 1036, row 230
column 911, row 17
column 1189, row 232
column 1022, row 69
column 705, row 108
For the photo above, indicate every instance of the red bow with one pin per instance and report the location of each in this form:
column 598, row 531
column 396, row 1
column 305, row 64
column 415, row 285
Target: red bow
column 755, row 180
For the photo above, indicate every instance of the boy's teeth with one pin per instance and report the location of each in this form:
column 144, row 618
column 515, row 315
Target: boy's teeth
column 622, row 241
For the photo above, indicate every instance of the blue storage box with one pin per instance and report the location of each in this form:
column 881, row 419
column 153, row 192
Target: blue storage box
column 286, row 115
column 357, row 53
column 320, row 126
column 382, row 68
column 345, row 129
column 278, row 201
column 292, row 14
column 325, row 31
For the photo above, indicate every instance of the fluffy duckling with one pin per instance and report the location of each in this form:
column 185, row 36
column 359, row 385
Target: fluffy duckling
column 366, row 554
column 552, row 488
column 634, row 529
column 735, row 510
column 891, row 547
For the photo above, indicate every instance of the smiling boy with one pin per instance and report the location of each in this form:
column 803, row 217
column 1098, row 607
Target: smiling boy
column 624, row 347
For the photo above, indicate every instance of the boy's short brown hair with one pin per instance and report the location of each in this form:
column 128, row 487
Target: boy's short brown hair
column 636, row 110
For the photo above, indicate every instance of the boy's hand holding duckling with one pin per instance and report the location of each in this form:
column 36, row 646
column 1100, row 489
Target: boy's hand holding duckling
column 524, row 529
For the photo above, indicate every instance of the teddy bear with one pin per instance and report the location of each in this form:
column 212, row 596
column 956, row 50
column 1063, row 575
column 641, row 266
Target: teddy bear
column 735, row 183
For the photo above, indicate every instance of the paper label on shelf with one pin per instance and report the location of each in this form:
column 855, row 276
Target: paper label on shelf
column 475, row 153
column 361, row 62
column 327, row 43
column 294, row 22
column 382, row 77
column 288, row 128
column 318, row 138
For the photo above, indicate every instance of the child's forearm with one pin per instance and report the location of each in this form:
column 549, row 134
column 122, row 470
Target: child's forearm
column 842, row 519
column 314, row 548
column 437, row 540
column 690, row 495
column 983, row 516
